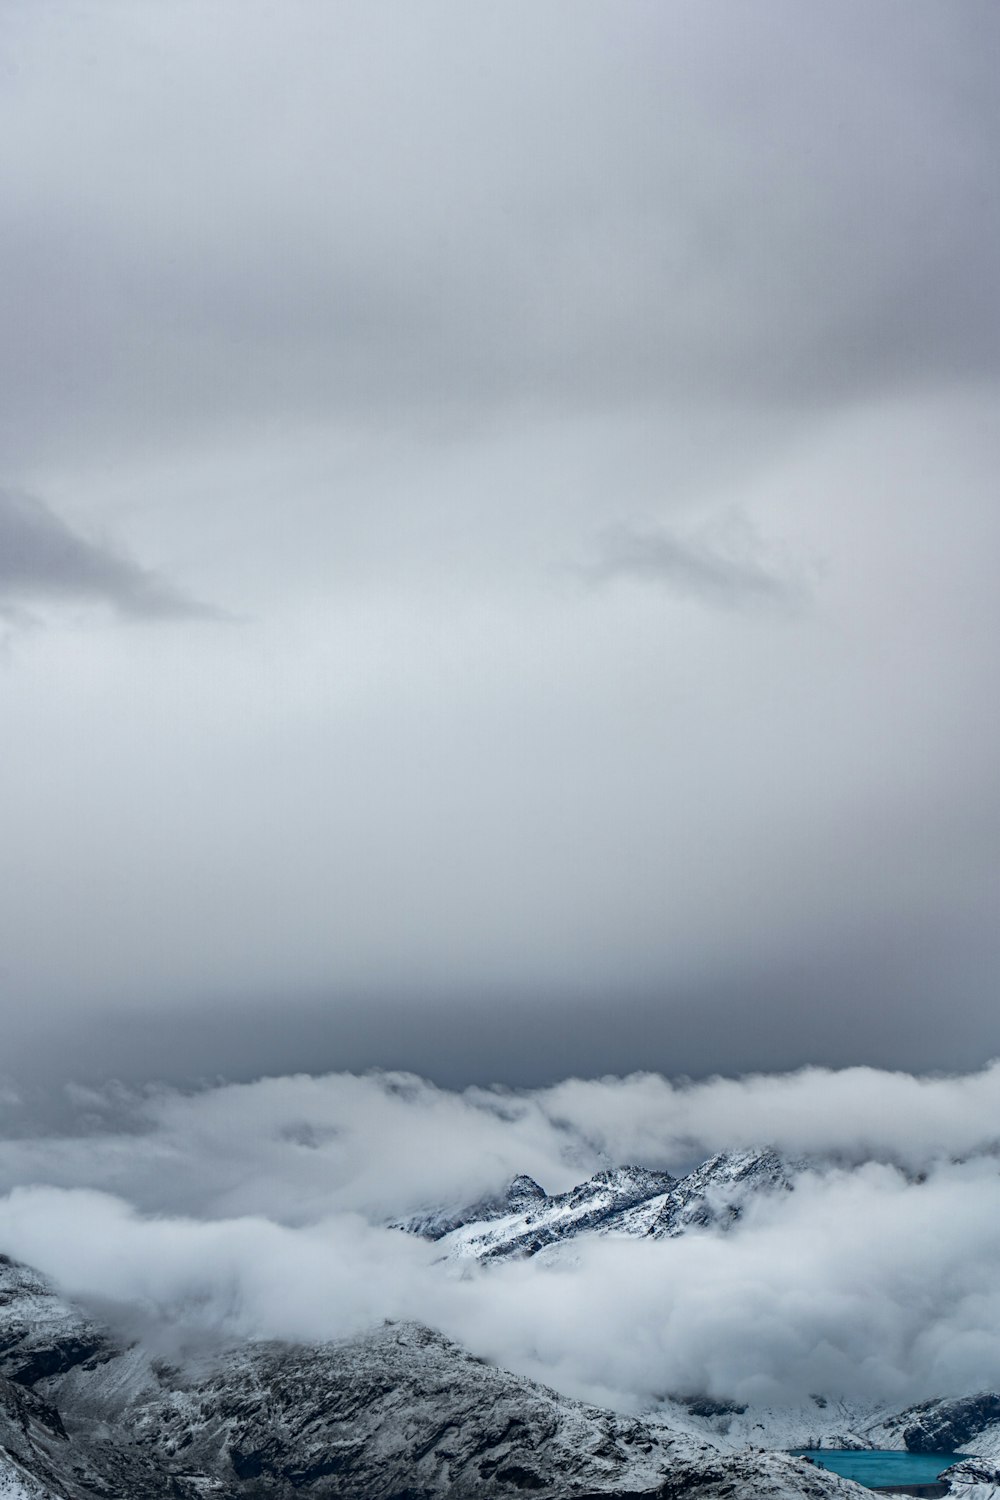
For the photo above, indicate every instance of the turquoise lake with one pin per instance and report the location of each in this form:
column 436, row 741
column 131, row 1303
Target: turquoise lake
column 875, row 1466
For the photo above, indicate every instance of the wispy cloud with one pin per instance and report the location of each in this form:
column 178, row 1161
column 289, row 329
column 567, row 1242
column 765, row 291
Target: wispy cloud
column 725, row 566
column 44, row 559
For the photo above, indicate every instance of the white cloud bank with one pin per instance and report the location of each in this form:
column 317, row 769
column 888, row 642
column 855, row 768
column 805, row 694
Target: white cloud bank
column 256, row 1210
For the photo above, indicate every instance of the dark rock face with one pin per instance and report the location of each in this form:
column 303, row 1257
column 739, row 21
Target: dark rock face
column 35, row 1442
column 402, row 1409
column 41, row 1335
column 973, row 1471
column 944, row 1426
column 524, row 1193
column 704, row 1406
column 755, row 1476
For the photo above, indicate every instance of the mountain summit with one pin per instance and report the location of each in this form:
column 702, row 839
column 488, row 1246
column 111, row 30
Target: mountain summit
column 631, row 1201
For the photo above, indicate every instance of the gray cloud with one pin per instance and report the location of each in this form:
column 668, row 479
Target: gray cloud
column 720, row 570
column 41, row 558
column 373, row 247
column 299, row 1147
column 371, row 319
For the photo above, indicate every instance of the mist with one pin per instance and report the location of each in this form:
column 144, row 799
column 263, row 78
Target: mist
column 262, row 1211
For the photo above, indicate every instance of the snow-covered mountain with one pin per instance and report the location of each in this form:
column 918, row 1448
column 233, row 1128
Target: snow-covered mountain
column 40, row 1334
column 403, row 1413
column 963, row 1424
column 630, row 1201
column 400, row 1413
column 943, row 1425
column 522, row 1196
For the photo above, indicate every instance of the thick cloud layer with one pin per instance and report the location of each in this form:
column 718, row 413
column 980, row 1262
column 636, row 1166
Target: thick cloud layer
column 259, row 1210
column 588, row 413
column 430, row 212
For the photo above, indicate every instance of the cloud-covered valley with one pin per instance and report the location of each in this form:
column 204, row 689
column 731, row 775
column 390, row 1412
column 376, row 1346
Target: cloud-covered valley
column 261, row 1210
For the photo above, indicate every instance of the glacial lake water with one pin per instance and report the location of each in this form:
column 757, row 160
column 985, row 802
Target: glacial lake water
column 878, row 1466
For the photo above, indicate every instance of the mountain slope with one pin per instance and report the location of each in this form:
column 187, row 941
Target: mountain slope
column 943, row 1425
column 400, row 1413
column 40, row 1333
column 401, row 1410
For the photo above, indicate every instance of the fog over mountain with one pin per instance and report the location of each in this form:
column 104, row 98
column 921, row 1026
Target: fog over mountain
column 263, row 1210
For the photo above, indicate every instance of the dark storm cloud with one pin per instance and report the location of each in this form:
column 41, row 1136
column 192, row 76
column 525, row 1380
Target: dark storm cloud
column 772, row 207
column 41, row 558
column 376, row 317
column 700, row 566
column 876, row 999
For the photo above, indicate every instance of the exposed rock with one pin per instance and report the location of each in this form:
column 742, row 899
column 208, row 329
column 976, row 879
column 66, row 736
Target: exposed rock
column 762, row 1476
column 40, row 1333
column 975, row 1479
column 522, row 1194
column 36, row 1450
column 946, row 1426
column 537, row 1221
column 704, row 1406
column 402, row 1409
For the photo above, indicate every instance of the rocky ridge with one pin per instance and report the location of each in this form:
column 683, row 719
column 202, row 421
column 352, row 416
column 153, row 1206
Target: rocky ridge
column 629, row 1201
column 40, row 1334
column 947, row 1426
column 975, row 1479
column 523, row 1194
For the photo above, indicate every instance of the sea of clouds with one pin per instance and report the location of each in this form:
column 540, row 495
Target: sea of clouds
column 261, row 1209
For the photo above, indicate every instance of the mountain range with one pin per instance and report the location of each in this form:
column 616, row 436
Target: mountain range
column 402, row 1412
column 629, row 1201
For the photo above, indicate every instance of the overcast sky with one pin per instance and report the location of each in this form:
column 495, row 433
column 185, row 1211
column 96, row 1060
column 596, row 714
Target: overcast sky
column 498, row 536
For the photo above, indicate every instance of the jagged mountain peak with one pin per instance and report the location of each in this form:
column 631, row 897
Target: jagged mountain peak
column 522, row 1192
column 714, row 1195
column 630, row 1180
column 433, row 1223
column 629, row 1200
column 542, row 1219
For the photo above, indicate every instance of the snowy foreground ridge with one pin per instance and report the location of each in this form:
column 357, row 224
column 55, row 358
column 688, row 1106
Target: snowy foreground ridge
column 403, row 1413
